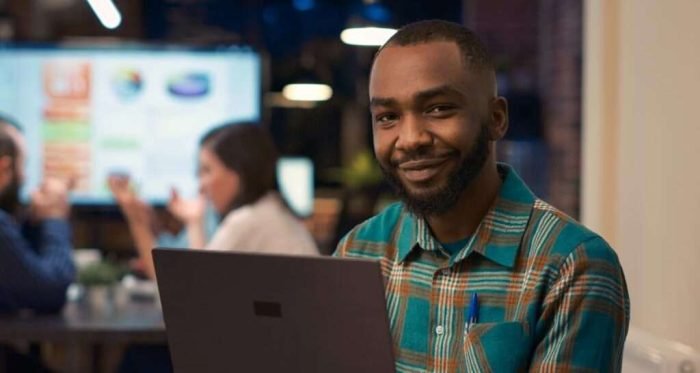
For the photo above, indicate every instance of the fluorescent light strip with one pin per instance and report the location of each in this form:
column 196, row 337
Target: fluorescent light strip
column 106, row 12
column 307, row 92
column 366, row 36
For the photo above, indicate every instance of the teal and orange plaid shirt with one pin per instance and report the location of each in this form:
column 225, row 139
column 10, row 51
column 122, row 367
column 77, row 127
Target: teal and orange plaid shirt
column 552, row 295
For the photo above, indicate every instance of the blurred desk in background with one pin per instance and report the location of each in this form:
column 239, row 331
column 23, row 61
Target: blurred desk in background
column 88, row 329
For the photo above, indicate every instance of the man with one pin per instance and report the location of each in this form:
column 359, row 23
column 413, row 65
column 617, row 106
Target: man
column 36, row 265
column 480, row 274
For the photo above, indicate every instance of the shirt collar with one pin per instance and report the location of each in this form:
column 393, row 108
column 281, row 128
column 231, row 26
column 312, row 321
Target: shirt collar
column 498, row 235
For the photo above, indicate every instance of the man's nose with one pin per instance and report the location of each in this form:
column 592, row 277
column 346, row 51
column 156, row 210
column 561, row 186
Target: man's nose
column 413, row 134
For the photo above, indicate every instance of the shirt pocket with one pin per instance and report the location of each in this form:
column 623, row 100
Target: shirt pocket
column 496, row 347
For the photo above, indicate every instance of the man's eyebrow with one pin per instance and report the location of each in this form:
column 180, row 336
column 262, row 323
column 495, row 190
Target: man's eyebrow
column 420, row 96
column 438, row 91
column 381, row 101
column 424, row 95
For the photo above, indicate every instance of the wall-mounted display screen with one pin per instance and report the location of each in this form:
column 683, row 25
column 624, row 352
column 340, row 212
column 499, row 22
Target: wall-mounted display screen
column 87, row 113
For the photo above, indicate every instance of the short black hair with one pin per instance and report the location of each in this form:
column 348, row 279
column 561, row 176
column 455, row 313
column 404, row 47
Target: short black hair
column 474, row 51
column 247, row 149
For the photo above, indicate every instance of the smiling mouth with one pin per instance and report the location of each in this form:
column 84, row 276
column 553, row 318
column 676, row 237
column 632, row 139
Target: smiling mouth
column 421, row 170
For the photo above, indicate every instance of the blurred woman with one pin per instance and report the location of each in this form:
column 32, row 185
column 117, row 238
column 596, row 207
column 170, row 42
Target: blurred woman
column 237, row 176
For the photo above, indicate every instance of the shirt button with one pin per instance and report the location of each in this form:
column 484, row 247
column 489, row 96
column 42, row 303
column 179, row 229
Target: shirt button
column 445, row 271
column 439, row 330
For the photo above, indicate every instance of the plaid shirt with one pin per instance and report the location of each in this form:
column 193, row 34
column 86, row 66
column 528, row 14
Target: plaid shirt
column 552, row 295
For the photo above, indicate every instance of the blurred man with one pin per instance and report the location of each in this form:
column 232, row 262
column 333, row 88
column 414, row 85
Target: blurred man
column 480, row 274
column 36, row 263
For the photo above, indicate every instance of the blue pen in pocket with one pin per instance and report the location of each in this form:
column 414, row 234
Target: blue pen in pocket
column 473, row 313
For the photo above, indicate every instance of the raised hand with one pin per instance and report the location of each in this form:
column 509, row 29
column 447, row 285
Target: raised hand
column 189, row 211
column 50, row 200
column 134, row 209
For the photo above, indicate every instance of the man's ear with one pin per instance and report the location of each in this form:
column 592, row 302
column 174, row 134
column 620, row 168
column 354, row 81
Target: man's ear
column 6, row 170
column 499, row 118
column 5, row 163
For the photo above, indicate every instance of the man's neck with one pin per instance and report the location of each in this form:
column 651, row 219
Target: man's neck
column 462, row 220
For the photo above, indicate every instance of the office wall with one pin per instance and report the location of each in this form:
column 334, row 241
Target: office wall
column 641, row 153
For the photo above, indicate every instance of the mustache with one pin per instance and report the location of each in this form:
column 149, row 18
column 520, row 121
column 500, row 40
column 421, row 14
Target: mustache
column 419, row 155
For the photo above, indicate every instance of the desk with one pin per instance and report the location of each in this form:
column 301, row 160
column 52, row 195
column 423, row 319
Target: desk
column 85, row 327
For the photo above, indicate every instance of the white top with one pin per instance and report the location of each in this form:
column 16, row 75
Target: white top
column 265, row 226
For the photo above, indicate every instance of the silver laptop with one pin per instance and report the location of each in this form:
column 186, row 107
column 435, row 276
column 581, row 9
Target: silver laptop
column 234, row 312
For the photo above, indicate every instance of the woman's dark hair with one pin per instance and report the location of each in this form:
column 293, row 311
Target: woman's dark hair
column 247, row 149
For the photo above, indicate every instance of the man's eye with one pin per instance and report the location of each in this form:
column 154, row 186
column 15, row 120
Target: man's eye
column 440, row 109
column 385, row 118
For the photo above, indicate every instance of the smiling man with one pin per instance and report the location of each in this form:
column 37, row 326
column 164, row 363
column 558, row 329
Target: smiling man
column 480, row 274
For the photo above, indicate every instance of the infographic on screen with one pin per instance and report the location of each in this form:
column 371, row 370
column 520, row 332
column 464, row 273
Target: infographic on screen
column 87, row 114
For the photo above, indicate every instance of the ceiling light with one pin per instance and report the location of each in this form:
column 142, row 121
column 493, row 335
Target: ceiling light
column 106, row 12
column 307, row 92
column 366, row 36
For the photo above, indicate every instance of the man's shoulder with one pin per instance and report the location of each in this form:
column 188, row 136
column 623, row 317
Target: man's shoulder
column 563, row 235
column 7, row 221
column 11, row 233
column 373, row 233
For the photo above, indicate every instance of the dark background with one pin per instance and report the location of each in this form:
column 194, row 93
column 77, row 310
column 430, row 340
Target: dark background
column 536, row 45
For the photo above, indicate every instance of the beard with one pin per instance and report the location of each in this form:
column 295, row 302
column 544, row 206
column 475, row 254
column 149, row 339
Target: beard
column 9, row 198
column 439, row 200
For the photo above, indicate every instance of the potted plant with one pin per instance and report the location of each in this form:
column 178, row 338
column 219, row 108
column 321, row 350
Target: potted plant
column 98, row 282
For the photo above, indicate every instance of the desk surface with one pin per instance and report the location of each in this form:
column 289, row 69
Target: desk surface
column 115, row 321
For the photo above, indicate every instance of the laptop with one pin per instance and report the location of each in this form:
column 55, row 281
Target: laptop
column 240, row 312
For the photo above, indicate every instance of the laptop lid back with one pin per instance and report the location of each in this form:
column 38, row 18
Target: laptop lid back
column 240, row 312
